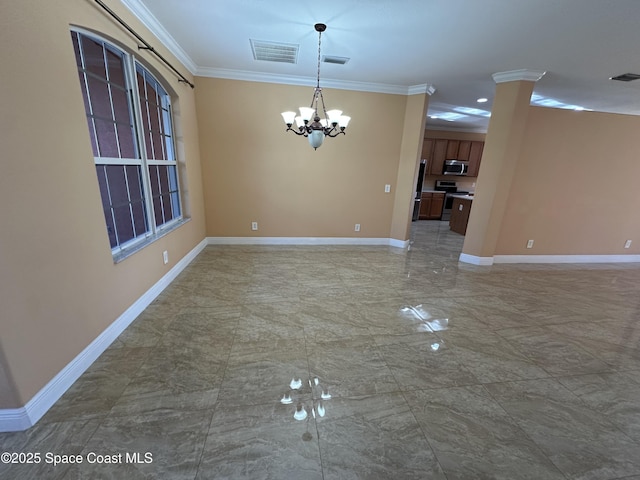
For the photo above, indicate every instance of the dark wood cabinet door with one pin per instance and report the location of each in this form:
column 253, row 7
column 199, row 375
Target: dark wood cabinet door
column 438, row 156
column 464, row 150
column 425, row 206
column 437, row 203
column 475, row 155
column 460, row 215
column 452, row 149
column 427, row 149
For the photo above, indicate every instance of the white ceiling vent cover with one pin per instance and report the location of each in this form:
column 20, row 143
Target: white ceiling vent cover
column 334, row 59
column 274, row 52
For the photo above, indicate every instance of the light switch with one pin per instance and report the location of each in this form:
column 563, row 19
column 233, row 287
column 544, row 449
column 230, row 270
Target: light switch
column 387, row 188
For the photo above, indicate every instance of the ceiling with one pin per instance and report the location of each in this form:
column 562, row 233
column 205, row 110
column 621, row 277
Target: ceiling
column 405, row 46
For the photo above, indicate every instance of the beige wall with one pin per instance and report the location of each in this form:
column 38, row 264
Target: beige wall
column 254, row 171
column 59, row 287
column 574, row 189
column 408, row 168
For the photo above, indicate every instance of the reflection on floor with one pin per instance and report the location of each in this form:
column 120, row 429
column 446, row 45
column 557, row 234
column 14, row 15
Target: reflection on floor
column 336, row 362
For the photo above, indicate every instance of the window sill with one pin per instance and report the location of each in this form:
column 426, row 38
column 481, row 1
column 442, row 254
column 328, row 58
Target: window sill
column 127, row 252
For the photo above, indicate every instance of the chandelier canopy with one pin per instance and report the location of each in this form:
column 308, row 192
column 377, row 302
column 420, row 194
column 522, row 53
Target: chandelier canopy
column 309, row 124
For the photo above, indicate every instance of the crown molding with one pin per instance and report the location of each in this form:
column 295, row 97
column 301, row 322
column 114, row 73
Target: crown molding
column 517, row 75
column 309, row 81
column 419, row 89
column 453, row 128
column 143, row 14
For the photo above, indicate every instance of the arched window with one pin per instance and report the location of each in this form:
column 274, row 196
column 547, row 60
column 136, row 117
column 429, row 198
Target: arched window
column 131, row 131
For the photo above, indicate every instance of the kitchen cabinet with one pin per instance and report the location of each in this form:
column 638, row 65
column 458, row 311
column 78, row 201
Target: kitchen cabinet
column 464, row 150
column 427, row 149
column 436, row 150
column 438, row 156
column 475, row 155
column 437, row 204
column 452, row 149
column 460, row 215
column 431, row 204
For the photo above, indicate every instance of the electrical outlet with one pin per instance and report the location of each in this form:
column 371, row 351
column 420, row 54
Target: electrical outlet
column 387, row 188
column 357, row 227
column 530, row 244
column 254, row 225
column 165, row 257
column 627, row 244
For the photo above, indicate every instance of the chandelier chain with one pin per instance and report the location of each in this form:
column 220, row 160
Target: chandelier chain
column 319, row 44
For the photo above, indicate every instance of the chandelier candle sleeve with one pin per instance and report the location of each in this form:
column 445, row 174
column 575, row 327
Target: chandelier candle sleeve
column 308, row 123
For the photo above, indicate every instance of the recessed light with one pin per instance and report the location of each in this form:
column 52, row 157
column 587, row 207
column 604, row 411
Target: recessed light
column 482, row 100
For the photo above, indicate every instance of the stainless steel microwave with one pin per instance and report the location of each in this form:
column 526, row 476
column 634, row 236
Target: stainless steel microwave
column 455, row 167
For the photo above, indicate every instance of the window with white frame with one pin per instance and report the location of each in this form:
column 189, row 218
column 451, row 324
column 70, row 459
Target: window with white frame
column 130, row 126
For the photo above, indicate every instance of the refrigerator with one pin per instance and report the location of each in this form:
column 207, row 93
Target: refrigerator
column 418, row 193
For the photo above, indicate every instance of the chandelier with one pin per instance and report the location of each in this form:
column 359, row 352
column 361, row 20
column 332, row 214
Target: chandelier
column 309, row 124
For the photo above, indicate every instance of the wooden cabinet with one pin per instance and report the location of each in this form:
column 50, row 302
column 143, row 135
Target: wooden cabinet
column 431, row 204
column 460, row 215
column 437, row 150
column 425, row 206
column 452, row 149
column 464, row 150
column 438, row 156
column 437, row 204
column 475, row 155
column 427, row 149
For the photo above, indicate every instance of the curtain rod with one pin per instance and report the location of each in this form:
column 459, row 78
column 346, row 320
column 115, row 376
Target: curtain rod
column 146, row 46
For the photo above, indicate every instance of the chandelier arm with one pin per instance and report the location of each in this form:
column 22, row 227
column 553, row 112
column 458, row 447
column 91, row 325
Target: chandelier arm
column 334, row 133
column 302, row 133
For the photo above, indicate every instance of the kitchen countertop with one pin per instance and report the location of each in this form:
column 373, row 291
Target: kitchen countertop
column 432, row 191
column 466, row 197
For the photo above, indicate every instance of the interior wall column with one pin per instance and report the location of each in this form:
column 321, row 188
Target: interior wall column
column 499, row 159
column 415, row 117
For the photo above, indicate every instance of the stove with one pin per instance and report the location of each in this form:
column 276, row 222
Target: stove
column 449, row 187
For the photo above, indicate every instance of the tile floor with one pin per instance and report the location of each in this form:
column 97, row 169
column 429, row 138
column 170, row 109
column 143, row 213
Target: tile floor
column 411, row 366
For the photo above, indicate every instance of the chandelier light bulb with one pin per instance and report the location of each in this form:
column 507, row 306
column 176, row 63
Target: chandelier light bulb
column 288, row 117
column 307, row 113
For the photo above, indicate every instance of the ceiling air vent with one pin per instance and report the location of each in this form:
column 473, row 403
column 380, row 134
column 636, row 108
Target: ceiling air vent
column 626, row 77
column 336, row 60
column 274, row 52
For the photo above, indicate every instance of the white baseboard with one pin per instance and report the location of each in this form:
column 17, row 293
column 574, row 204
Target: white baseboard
column 17, row 419
column 466, row 258
column 394, row 242
column 474, row 260
column 566, row 258
column 305, row 241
